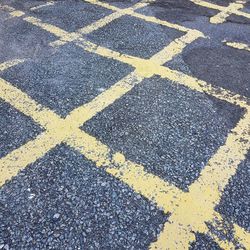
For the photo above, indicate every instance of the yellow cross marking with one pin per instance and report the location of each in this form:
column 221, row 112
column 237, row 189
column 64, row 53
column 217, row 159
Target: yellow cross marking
column 233, row 8
column 221, row 17
column 197, row 206
column 189, row 211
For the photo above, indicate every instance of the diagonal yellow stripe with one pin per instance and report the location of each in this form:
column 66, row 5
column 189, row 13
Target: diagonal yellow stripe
column 197, row 206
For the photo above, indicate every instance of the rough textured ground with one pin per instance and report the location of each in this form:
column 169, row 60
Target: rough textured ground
column 65, row 198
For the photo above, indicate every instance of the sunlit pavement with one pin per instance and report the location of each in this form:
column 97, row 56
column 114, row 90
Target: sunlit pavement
column 125, row 124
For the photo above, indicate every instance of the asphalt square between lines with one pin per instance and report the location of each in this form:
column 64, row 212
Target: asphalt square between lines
column 133, row 36
column 67, row 78
column 64, row 200
column 171, row 130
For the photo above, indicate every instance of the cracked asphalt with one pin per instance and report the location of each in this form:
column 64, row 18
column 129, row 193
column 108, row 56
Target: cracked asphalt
column 63, row 199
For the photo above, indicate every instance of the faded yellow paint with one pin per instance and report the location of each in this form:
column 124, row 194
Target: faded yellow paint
column 131, row 11
column 148, row 68
column 232, row 7
column 240, row 235
column 96, row 25
column 149, row 185
column 20, row 158
column 241, row 46
column 12, row 11
column 103, row 100
column 46, row 26
column 197, row 206
column 25, row 104
column 176, row 47
column 117, row 14
column 223, row 9
column 189, row 211
column 11, row 63
column 43, row 5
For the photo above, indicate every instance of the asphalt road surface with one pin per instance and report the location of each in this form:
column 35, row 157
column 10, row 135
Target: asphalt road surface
column 125, row 124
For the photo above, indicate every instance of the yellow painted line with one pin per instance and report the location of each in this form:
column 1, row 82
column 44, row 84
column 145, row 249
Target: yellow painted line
column 220, row 8
column 236, row 45
column 42, row 5
column 12, row 11
column 18, row 159
column 197, row 206
column 241, row 236
column 232, row 7
column 46, row 26
column 149, row 185
column 202, row 86
column 223, row 244
column 103, row 100
column 176, row 47
column 11, row 63
column 96, row 25
column 86, row 30
column 131, row 173
column 147, row 68
column 241, row 13
column 87, row 111
column 25, row 104
column 208, row 5
column 130, row 11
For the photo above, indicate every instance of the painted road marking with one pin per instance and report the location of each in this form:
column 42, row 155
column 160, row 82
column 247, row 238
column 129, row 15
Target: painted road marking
column 8, row 64
column 108, row 19
column 233, row 8
column 148, row 67
column 197, row 206
column 222, row 16
column 236, row 45
column 42, row 5
column 165, row 195
column 98, row 24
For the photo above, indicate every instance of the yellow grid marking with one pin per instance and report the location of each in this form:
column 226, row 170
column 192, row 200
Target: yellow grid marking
column 42, row 5
column 233, row 8
column 197, row 206
column 152, row 187
column 108, row 19
column 241, row 46
column 209, row 185
column 97, row 25
column 149, row 67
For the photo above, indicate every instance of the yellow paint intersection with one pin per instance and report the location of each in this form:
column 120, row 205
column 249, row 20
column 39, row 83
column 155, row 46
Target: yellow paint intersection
column 224, row 12
column 189, row 211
